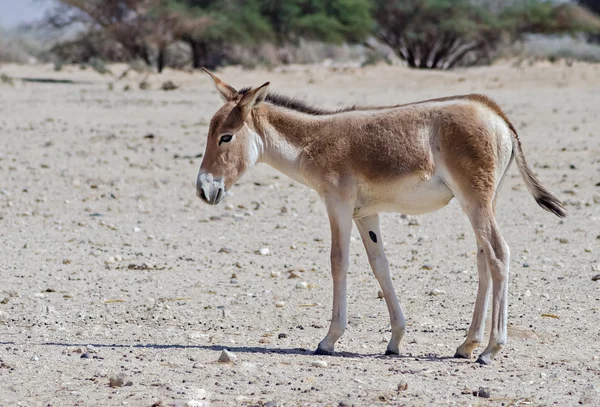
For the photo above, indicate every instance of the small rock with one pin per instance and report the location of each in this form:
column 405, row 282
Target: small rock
column 282, row 336
column 528, row 293
column 379, row 294
column 168, row 85
column 227, row 357
column 34, row 358
column 5, row 300
column 596, row 267
column 482, row 392
column 119, row 381
column 563, row 240
column 270, row 404
column 225, row 250
column 280, row 304
column 233, row 281
column 294, row 274
column 264, row 340
column 413, row 222
column 427, row 267
column 402, row 386
column 264, row 251
column 525, row 265
column 319, row 363
column 596, row 277
column 67, row 261
column 293, row 247
column 436, row 292
column 275, row 274
column 302, row 285
column 234, row 275
column 85, row 355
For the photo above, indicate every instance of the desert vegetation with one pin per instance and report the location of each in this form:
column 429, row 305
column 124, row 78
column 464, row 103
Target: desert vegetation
column 428, row 34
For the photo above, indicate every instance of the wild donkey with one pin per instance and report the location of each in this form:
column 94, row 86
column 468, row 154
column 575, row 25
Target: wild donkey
column 410, row 158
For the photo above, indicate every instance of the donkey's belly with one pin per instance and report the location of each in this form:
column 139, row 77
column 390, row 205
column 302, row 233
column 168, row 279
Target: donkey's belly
column 412, row 196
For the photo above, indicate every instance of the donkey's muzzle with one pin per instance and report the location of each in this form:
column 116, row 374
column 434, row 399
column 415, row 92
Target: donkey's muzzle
column 209, row 189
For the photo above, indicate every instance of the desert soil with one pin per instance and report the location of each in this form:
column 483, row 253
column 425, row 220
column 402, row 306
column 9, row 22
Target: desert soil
column 111, row 268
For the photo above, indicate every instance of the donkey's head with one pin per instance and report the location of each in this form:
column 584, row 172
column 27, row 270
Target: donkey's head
column 232, row 146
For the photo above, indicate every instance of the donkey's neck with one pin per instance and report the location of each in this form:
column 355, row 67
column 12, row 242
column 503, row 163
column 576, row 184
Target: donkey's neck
column 283, row 134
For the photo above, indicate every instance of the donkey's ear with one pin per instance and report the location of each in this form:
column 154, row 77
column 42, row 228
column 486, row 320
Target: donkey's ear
column 253, row 98
column 227, row 92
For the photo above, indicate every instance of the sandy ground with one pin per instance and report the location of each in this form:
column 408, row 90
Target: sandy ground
column 110, row 265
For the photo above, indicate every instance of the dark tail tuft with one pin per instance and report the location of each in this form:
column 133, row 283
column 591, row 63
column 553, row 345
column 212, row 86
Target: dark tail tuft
column 542, row 196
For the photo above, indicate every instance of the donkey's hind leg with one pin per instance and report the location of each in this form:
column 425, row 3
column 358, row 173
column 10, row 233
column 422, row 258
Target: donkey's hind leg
column 495, row 252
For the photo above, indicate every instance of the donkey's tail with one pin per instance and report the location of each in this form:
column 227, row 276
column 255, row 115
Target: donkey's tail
column 542, row 196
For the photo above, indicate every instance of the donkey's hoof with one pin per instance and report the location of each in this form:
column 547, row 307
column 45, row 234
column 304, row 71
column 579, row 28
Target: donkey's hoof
column 321, row 351
column 391, row 352
column 459, row 355
column 484, row 360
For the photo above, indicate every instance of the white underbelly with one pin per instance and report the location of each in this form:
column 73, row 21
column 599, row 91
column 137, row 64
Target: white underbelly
column 412, row 196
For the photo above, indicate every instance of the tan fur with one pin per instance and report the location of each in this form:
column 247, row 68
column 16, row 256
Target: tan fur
column 411, row 158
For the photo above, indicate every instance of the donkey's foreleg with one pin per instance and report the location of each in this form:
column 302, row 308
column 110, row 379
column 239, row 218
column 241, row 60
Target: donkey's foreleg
column 373, row 241
column 340, row 219
column 476, row 330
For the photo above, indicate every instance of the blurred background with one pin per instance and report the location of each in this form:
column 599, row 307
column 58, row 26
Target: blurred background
column 151, row 35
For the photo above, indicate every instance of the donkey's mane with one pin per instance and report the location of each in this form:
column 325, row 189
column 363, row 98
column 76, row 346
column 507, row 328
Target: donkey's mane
column 299, row 105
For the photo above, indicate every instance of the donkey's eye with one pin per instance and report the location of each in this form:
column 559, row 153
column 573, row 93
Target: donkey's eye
column 225, row 139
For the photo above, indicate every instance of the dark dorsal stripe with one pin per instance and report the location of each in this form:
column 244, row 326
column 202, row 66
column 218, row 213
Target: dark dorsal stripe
column 299, row 105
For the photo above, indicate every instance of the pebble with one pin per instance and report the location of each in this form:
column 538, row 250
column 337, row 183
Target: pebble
column 280, row 304
column 225, row 250
column 271, row 403
column 264, row 340
column 85, row 355
column 528, row 293
column 282, row 336
column 34, row 358
column 275, row 274
column 596, row 277
column 264, row 251
column 294, row 274
column 227, row 357
column 402, row 386
column 427, row 267
column 379, row 294
column 293, row 247
column 596, row 267
column 233, row 281
column 436, row 292
column 234, row 275
column 302, row 285
column 319, row 363
column 119, row 381
column 482, row 392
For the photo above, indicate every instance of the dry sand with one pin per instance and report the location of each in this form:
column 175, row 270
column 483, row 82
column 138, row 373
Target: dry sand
column 110, row 265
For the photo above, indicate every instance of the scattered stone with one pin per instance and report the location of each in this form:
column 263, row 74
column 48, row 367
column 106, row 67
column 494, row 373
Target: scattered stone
column 427, row 267
column 319, row 363
column 264, row 340
column 294, row 274
column 5, row 300
column 528, row 293
column 144, row 85
column 302, row 285
column 85, row 355
column 227, row 357
column 225, row 250
column 436, row 292
column 596, row 267
column 282, row 336
column 270, row 404
column 379, row 294
column 119, row 381
column 402, row 386
column 563, row 240
column 413, row 222
column 525, row 265
column 34, row 358
column 482, row 392
column 143, row 266
column 168, row 85
column 233, row 281
column 234, row 275
column 280, row 304
column 264, row 251
column 275, row 274
column 596, row 277
column 293, row 247
column 67, row 261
